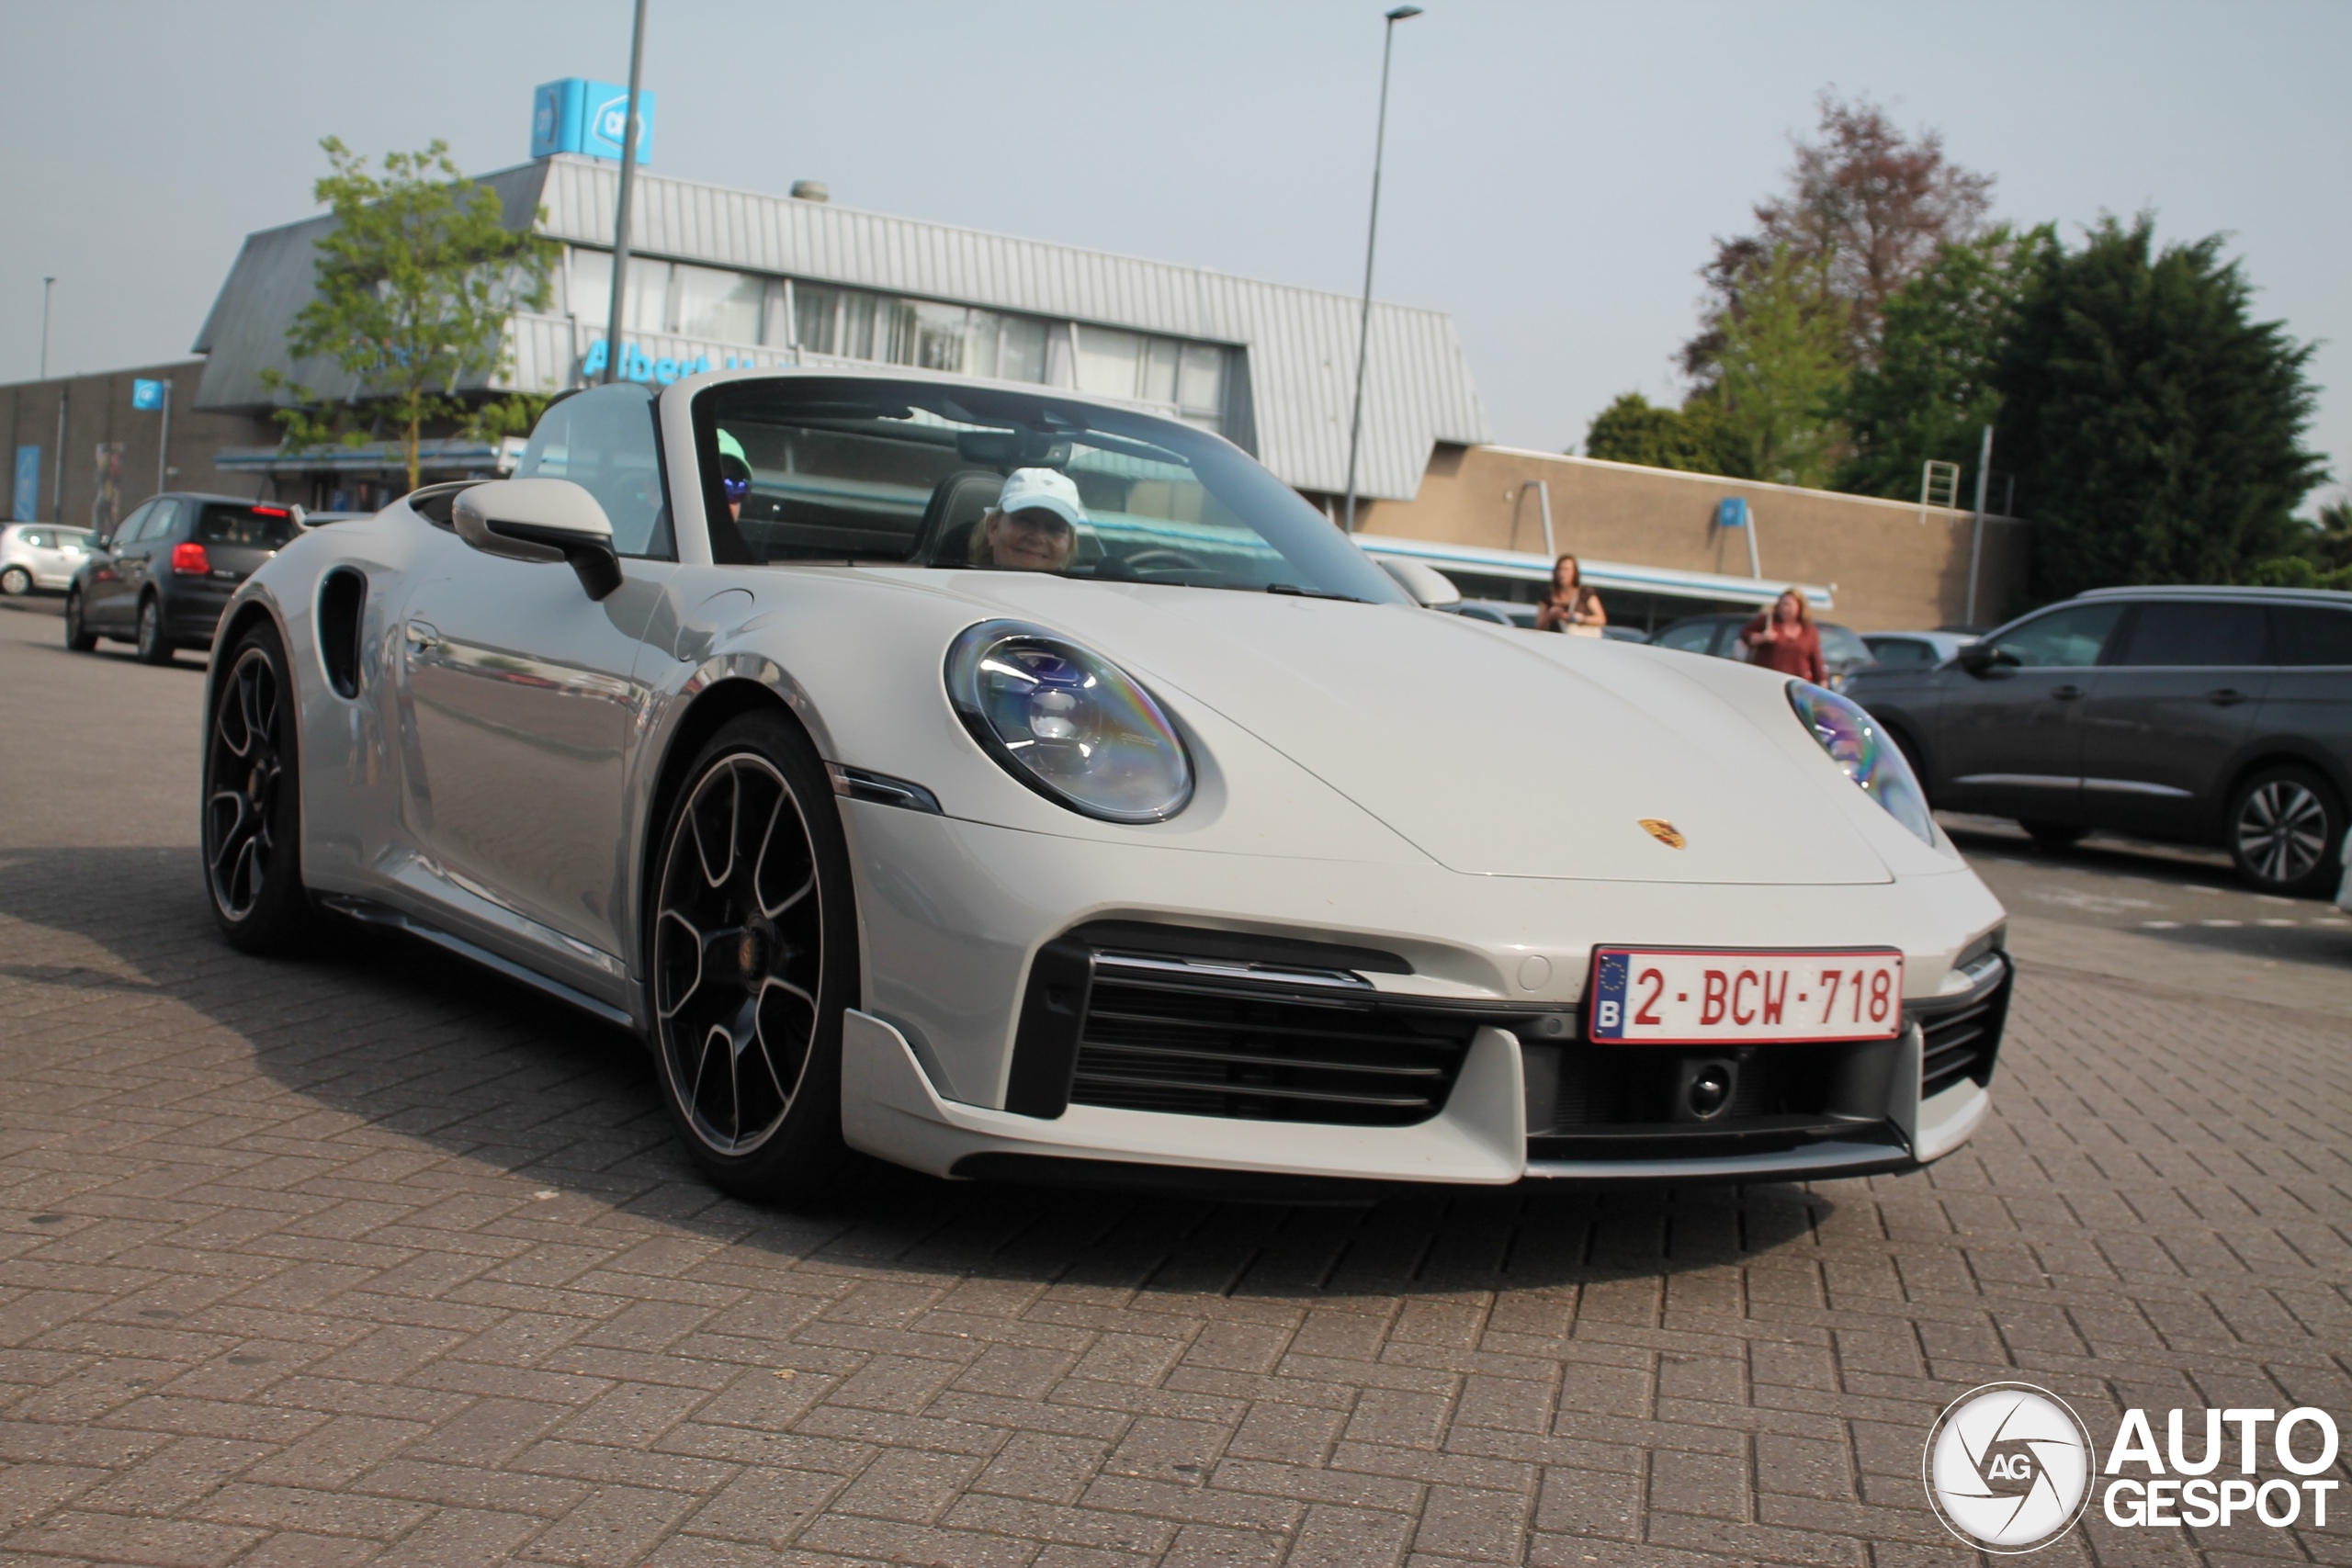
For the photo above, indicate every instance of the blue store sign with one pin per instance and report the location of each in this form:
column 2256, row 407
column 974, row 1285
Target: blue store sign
column 576, row 115
column 636, row 367
column 27, row 506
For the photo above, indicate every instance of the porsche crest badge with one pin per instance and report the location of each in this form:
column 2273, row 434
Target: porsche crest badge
column 1664, row 832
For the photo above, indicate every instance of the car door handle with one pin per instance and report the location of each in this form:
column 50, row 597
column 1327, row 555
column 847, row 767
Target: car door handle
column 2067, row 694
column 2227, row 697
column 421, row 636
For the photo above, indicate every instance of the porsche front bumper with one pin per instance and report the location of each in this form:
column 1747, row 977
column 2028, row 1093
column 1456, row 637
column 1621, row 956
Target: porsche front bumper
column 941, row 1071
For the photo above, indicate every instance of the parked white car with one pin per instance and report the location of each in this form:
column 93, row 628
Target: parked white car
column 1008, row 785
column 39, row 555
column 1915, row 650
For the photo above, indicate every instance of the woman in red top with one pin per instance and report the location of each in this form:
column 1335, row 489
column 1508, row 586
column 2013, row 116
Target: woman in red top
column 1783, row 638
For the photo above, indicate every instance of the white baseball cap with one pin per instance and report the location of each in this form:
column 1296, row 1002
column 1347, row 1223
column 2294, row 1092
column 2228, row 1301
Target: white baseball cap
column 1048, row 489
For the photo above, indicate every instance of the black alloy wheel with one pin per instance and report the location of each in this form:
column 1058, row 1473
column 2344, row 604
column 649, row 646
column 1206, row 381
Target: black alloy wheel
column 753, row 943
column 153, row 647
column 252, row 828
column 2054, row 835
column 79, row 637
column 2286, row 829
column 15, row 583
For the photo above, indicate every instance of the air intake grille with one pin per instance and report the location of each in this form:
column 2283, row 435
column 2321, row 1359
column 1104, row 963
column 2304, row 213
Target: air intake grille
column 1164, row 1041
column 1962, row 1041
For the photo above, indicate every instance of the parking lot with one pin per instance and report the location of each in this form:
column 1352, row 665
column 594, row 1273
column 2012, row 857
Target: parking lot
column 373, row 1258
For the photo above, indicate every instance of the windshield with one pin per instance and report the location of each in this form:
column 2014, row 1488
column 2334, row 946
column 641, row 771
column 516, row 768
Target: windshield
column 260, row 527
column 1841, row 645
column 842, row 471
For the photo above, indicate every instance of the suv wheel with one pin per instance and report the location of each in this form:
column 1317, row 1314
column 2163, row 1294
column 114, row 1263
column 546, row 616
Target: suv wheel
column 15, row 583
column 2286, row 828
column 78, row 635
column 155, row 648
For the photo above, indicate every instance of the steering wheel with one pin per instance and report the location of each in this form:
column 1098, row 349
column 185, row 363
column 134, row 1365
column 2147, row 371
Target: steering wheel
column 1159, row 560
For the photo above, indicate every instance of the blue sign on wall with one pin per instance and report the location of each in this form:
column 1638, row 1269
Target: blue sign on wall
column 637, row 366
column 576, row 115
column 1731, row 512
column 27, row 508
column 146, row 394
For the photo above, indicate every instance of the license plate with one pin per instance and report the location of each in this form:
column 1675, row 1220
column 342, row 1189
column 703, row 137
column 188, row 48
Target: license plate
column 1730, row 996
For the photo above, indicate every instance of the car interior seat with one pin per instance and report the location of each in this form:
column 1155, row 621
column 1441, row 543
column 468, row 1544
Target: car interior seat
column 957, row 503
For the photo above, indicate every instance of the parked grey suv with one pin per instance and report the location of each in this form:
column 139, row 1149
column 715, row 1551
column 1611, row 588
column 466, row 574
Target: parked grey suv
column 161, row 578
column 2212, row 716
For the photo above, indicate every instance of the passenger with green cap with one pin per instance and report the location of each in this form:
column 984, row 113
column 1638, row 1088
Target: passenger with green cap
column 734, row 474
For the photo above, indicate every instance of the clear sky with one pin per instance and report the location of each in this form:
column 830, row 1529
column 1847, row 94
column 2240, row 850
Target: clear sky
column 1556, row 172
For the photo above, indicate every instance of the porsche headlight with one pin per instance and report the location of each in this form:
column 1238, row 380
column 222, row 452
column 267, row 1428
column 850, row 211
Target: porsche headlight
column 1068, row 722
column 1864, row 754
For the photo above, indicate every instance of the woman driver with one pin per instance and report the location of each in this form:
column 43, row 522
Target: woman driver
column 1033, row 524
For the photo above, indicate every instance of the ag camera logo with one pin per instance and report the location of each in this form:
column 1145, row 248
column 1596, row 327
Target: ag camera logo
column 2008, row 1467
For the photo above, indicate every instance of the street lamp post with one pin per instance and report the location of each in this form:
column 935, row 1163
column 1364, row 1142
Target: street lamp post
column 46, row 285
column 620, row 221
column 1372, row 237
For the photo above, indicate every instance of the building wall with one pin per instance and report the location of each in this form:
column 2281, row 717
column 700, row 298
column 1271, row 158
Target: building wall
column 98, row 415
column 1886, row 567
column 1294, row 373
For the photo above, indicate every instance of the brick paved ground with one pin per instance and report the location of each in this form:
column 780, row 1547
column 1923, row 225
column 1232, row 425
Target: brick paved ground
column 373, row 1259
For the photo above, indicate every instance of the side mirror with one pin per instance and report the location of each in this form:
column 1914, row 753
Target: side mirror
column 541, row 520
column 1979, row 657
column 1430, row 588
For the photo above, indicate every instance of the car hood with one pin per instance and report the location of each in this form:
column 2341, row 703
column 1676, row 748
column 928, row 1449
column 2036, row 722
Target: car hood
column 1493, row 750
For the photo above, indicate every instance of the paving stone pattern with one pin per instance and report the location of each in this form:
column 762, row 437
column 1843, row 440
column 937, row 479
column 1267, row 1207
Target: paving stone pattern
column 370, row 1258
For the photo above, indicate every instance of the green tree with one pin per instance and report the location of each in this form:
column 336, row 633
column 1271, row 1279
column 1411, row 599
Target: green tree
column 1929, row 392
column 1691, row 438
column 1781, row 371
column 1866, row 204
column 2323, row 553
column 2328, row 543
column 2155, row 430
column 415, row 282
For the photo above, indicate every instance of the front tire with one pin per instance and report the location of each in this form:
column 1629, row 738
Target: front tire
column 15, row 583
column 753, row 942
column 153, row 647
column 79, row 637
column 2286, row 829
column 253, row 802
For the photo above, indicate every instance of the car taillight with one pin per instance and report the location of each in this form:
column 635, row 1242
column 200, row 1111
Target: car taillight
column 190, row 560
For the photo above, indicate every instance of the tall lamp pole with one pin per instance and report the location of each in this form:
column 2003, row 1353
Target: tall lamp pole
column 46, row 285
column 1372, row 237
column 1976, row 543
column 620, row 221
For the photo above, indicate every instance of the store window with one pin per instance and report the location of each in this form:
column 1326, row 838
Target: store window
column 1187, row 378
column 708, row 303
column 930, row 335
column 645, row 310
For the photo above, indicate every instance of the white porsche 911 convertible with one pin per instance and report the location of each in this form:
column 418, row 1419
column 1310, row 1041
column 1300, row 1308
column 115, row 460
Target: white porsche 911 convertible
column 1009, row 785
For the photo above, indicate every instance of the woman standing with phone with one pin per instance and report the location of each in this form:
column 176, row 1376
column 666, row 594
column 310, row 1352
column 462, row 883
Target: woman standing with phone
column 1784, row 639
column 1570, row 606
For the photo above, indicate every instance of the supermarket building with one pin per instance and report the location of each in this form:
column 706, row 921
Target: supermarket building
column 721, row 278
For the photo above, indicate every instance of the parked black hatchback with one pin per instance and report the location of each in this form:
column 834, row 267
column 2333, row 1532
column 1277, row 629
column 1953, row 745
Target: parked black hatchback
column 161, row 579
column 2213, row 715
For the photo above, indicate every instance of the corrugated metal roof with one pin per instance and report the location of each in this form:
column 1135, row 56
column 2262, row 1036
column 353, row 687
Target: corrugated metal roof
column 1300, row 342
column 274, row 276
